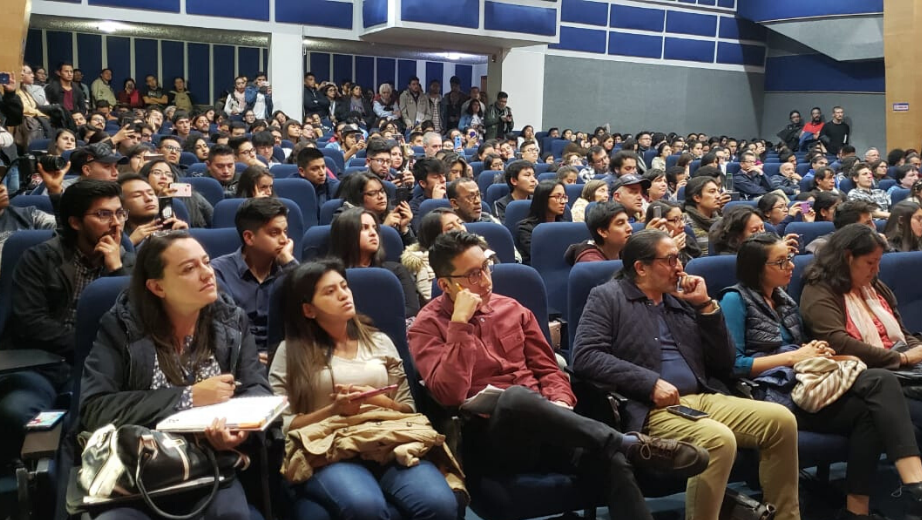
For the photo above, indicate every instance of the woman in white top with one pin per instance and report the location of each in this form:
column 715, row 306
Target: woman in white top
column 329, row 357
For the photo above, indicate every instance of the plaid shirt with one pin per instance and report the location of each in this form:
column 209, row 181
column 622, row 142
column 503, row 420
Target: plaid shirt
column 85, row 273
column 878, row 197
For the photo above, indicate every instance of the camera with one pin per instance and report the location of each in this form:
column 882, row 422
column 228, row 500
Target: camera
column 28, row 164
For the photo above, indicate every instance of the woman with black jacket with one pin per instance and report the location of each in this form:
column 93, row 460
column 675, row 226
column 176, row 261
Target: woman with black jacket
column 548, row 204
column 170, row 343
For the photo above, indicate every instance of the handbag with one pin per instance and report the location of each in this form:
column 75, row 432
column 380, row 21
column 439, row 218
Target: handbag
column 821, row 381
column 136, row 461
column 737, row 506
column 29, row 130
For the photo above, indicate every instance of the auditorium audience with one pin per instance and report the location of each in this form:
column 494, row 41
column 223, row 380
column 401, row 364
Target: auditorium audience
column 311, row 166
column 549, row 204
column 775, row 211
column 429, row 174
column 467, row 201
column 736, row 225
column 160, row 174
column 13, row 218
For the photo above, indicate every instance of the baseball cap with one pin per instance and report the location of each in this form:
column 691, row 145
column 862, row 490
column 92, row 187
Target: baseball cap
column 100, row 152
column 628, row 180
column 350, row 129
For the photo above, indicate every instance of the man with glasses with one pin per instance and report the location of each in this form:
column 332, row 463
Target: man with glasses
column 655, row 335
column 244, row 151
column 598, row 160
column 750, row 182
column 47, row 284
column 469, row 339
column 467, row 201
column 222, row 168
column 378, row 158
column 171, row 148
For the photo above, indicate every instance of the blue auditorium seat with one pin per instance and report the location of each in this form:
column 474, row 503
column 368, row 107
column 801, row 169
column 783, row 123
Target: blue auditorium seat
column 671, row 160
column 495, row 192
column 316, row 243
column 13, row 249
column 302, row 192
column 516, row 210
column 693, row 167
column 899, row 195
column 771, row 169
column 476, row 168
column 42, row 202
column 487, row 178
column 802, row 168
column 896, row 269
column 39, row 145
column 557, row 146
column 809, row 231
column 431, row 204
column 498, row 238
column 207, row 187
column 718, row 271
column 287, row 144
column 352, row 169
column 886, row 184
column 733, row 168
column 217, row 241
column 328, row 210
column 337, row 157
column 732, row 203
column 547, row 176
column 846, row 185
column 541, row 168
column 582, row 278
column 549, row 242
column 188, row 159
column 573, row 192
column 796, row 286
column 648, row 156
column 226, row 210
column 806, row 184
column 284, row 171
column 196, row 169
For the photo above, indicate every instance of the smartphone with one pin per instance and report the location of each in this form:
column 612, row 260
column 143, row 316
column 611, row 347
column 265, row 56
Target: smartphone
column 401, row 139
column 4, row 78
column 182, row 189
column 457, row 142
column 379, row 391
column 686, row 412
column 657, row 212
column 404, row 194
column 805, row 207
column 45, row 420
column 166, row 208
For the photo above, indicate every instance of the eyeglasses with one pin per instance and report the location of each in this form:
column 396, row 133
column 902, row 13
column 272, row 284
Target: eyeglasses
column 374, row 193
column 672, row 260
column 476, row 277
column 250, row 152
column 381, row 160
column 472, row 198
column 675, row 220
column 107, row 214
column 781, row 264
column 560, row 198
column 171, row 148
column 780, row 206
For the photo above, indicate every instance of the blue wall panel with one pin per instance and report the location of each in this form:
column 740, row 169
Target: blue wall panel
column 314, row 12
column 374, row 12
column 365, row 71
column 405, row 69
column 579, row 39
column 199, row 79
column 223, row 59
column 690, row 23
column 60, row 48
column 434, row 71
column 741, row 29
column 625, row 17
column 170, row 6
column 342, row 68
column 689, row 50
column 519, row 19
column 818, row 73
column 386, row 69
column 89, row 54
column 466, row 74
column 34, row 49
column 265, row 56
column 147, row 59
column 581, row 11
column 740, row 54
column 642, row 46
column 320, row 66
column 729, row 4
column 245, row 9
column 174, row 64
column 118, row 52
column 456, row 13
column 763, row 10
column 248, row 61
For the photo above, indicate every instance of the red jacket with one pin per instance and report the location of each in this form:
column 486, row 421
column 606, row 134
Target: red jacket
column 502, row 345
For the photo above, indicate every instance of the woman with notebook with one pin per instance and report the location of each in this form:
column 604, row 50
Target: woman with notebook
column 170, row 343
column 329, row 361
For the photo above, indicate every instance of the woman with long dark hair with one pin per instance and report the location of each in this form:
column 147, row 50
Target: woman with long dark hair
column 702, row 208
column 736, row 225
column 904, row 227
column 255, row 182
column 172, row 342
column 548, row 204
column 416, row 257
column 365, row 190
column 355, row 239
column 198, row 145
column 329, row 357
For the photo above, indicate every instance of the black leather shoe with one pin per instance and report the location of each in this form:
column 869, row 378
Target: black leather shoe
column 677, row 458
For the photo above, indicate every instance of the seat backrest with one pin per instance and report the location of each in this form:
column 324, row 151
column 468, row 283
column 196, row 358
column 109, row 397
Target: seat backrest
column 809, row 231
column 802, row 168
column 316, row 243
column 302, row 192
column 523, row 284
column 648, row 156
column 557, row 147
column 207, row 187
column 42, row 202
column 199, row 168
column 796, row 287
column 495, row 192
column 180, row 209
column 582, row 278
column 516, row 210
column 239, row 167
column 750, row 203
column 541, row 168
column 671, row 160
column 771, row 169
column 95, row 301
column 328, row 210
column 430, row 204
column 498, row 237
column 547, row 176
column 846, row 185
column 573, row 192
column 719, row 272
column 549, row 242
column 337, row 157
column 886, row 184
column 188, row 158
column 226, row 210
column 899, row 195
column 13, row 249
column 806, row 184
column 895, row 268
column 487, row 178
column 733, row 167
column 476, row 168
column 37, row 145
column 218, row 241
column 357, row 161
column 693, row 167
column 284, row 171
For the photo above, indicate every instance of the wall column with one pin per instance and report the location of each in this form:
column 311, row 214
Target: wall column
column 14, row 25
column 523, row 79
column 286, row 72
column 902, row 18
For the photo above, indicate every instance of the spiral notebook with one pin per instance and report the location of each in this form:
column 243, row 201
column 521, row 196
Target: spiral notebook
column 241, row 413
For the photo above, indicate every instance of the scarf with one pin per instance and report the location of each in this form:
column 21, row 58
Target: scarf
column 864, row 321
column 700, row 220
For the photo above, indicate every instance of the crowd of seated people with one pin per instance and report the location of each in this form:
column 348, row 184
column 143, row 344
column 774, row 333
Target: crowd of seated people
column 429, row 165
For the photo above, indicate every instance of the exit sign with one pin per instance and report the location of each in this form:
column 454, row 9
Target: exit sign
column 901, row 107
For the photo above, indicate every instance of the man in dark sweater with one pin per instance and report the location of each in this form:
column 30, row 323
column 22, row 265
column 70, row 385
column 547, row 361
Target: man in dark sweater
column 836, row 132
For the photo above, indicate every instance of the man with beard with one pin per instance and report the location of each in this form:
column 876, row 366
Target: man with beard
column 811, row 131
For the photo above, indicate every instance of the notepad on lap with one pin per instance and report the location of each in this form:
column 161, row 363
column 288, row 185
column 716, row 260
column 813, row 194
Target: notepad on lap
column 484, row 401
column 240, row 413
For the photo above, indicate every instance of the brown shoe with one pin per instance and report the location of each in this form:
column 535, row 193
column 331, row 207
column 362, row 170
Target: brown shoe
column 675, row 458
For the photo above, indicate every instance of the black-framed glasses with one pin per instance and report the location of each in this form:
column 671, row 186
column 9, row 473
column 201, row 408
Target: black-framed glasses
column 781, row 264
column 672, row 260
column 472, row 198
column 107, row 214
column 675, row 220
column 374, row 193
column 560, row 198
column 476, row 277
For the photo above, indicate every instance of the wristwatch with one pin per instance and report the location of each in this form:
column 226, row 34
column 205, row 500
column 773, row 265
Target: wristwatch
column 707, row 304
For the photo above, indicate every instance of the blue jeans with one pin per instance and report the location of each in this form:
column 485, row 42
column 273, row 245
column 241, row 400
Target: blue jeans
column 22, row 396
column 229, row 504
column 352, row 490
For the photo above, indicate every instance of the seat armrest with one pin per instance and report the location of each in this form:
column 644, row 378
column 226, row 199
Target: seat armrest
column 42, row 444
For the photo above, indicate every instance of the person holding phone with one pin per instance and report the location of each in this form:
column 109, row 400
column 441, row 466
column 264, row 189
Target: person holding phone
column 329, row 358
column 145, row 215
column 172, row 342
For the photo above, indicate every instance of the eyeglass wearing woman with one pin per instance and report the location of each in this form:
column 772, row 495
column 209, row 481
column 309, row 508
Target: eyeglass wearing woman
column 768, row 333
column 329, row 357
column 778, row 213
column 548, row 204
column 189, row 347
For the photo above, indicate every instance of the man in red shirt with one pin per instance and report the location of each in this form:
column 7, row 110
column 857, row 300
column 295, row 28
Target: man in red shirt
column 469, row 338
column 811, row 131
